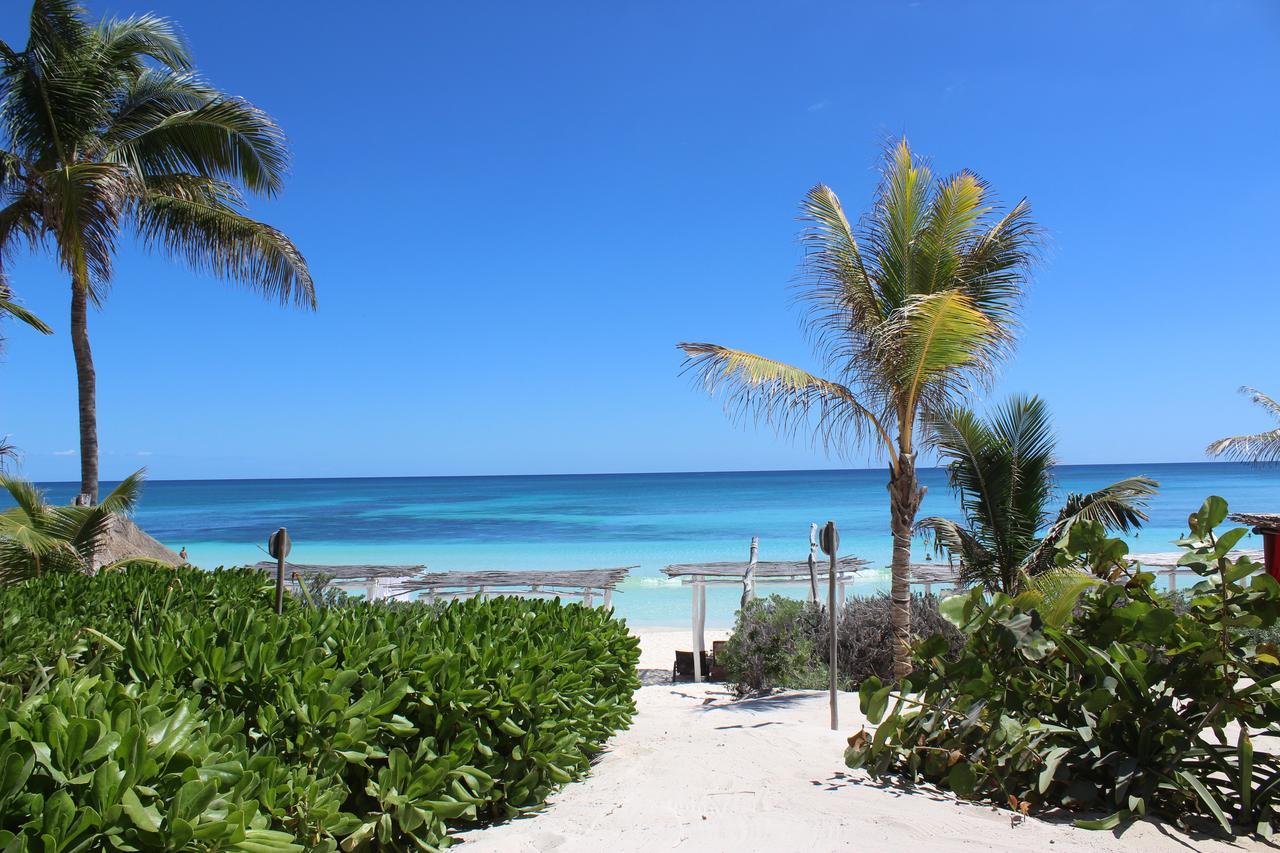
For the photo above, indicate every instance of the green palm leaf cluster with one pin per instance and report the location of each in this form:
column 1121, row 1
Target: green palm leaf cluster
column 1001, row 469
column 37, row 538
column 908, row 310
column 107, row 130
column 1258, row 447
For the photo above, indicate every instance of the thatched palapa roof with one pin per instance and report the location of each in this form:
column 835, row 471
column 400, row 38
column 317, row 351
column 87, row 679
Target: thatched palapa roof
column 126, row 539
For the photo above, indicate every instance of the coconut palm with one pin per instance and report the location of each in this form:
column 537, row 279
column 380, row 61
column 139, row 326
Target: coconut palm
column 106, row 130
column 36, row 538
column 907, row 311
column 1001, row 469
column 1259, row 447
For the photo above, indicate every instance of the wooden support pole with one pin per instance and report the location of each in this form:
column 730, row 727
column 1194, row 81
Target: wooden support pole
column 280, row 573
column 699, row 620
column 608, row 597
column 834, row 615
column 749, row 579
column 813, row 562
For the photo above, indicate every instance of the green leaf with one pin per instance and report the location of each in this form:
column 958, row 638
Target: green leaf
column 146, row 818
column 1207, row 798
column 1212, row 513
column 961, row 779
column 1111, row 821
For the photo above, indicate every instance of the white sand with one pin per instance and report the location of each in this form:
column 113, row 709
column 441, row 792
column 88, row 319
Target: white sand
column 699, row 771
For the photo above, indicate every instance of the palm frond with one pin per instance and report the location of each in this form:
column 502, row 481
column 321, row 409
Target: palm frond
column 1119, row 508
column 83, row 204
column 126, row 41
column 934, row 341
column 225, row 138
column 1055, row 592
column 85, row 528
column 212, row 236
column 1260, row 447
column 781, row 395
column 977, row 564
column 10, row 308
column 956, row 208
column 840, row 294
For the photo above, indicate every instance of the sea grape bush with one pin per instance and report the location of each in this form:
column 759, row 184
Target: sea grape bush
column 158, row 710
column 784, row 642
column 1133, row 707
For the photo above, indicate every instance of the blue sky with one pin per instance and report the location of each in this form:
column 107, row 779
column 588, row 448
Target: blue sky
column 513, row 212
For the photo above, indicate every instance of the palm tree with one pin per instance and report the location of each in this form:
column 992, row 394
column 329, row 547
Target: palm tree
column 36, row 538
column 906, row 312
column 1001, row 470
column 106, row 130
column 1259, row 447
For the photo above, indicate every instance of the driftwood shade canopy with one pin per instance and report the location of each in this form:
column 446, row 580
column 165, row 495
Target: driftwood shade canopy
column 584, row 583
column 790, row 571
column 345, row 573
column 1259, row 521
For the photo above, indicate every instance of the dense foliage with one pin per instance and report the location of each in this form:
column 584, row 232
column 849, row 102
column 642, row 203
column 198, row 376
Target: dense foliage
column 159, row 710
column 783, row 642
column 1135, row 706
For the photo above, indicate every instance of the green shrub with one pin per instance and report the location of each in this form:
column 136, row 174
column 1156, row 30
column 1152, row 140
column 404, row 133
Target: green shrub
column 783, row 642
column 1137, row 705
column 774, row 644
column 159, row 710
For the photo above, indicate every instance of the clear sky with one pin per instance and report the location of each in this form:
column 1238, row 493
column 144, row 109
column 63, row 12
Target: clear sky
column 513, row 211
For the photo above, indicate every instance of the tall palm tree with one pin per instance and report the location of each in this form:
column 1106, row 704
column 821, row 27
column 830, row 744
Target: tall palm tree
column 1001, row 469
column 106, row 129
column 906, row 311
column 1259, row 447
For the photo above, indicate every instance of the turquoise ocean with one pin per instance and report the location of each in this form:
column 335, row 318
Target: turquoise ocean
column 602, row 520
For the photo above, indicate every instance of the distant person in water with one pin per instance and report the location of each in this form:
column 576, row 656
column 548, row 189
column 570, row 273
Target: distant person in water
column 182, row 555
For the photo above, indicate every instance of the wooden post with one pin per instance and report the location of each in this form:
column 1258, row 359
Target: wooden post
column 699, row 620
column 749, row 579
column 280, row 573
column 1173, row 579
column 813, row 562
column 608, row 597
column 834, row 614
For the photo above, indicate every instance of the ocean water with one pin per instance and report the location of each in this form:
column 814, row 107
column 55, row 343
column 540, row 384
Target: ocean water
column 644, row 520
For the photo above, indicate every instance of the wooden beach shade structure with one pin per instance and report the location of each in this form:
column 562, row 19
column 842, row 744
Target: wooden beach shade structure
column 1166, row 562
column 377, row 582
column 587, row 584
column 752, row 572
column 1268, row 525
column 928, row 574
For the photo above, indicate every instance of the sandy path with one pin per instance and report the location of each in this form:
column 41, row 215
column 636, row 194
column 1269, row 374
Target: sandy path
column 698, row 771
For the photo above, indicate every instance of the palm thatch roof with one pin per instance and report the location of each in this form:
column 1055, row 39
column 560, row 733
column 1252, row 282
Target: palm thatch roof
column 125, row 539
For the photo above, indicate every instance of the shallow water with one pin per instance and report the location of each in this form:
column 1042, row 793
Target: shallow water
column 579, row 521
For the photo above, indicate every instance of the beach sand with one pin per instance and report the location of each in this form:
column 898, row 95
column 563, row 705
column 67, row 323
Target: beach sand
column 699, row 771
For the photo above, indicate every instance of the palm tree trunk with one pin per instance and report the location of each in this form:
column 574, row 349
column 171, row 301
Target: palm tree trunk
column 905, row 495
column 87, row 385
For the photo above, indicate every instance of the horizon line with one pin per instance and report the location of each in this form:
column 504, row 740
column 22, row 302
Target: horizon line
column 609, row 473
